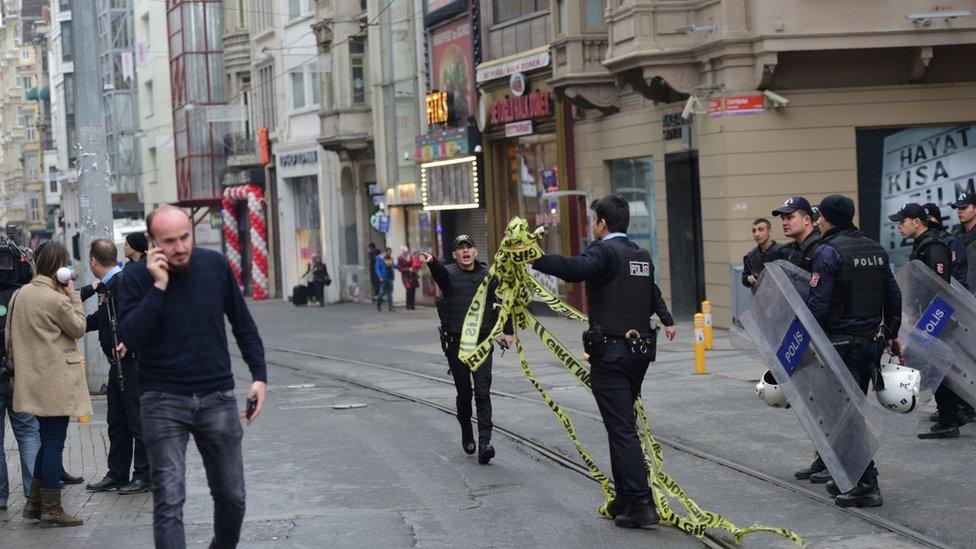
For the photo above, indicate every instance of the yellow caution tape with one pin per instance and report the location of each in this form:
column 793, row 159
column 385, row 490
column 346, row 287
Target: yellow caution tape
column 516, row 288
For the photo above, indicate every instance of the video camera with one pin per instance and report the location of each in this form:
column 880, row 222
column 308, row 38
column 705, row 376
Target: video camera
column 15, row 263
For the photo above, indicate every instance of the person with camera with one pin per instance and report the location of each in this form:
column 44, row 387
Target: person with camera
column 124, row 429
column 45, row 322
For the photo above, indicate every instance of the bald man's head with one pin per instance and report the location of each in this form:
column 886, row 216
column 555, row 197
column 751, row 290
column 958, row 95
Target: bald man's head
column 171, row 232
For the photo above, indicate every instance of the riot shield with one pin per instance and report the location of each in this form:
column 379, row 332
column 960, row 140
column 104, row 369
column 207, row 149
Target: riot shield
column 823, row 394
column 946, row 313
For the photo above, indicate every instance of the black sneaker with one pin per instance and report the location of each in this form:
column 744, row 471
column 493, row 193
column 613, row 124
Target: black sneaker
column 137, row 486
column 640, row 513
column 941, row 431
column 105, row 485
column 485, row 454
column 865, row 494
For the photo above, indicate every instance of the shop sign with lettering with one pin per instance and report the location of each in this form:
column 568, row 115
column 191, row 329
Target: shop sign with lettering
column 510, row 109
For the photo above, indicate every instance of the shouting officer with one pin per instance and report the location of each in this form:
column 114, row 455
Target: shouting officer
column 125, row 444
column 798, row 223
column 766, row 250
column 458, row 283
column 622, row 297
column 855, row 299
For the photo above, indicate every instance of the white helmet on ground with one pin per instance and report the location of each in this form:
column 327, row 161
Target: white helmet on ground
column 901, row 385
column 769, row 392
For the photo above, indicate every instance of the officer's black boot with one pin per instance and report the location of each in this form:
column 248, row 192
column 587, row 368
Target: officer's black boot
column 640, row 513
column 865, row 494
column 832, row 489
column 815, row 467
column 966, row 413
column 617, row 505
column 821, row 477
column 941, row 431
column 467, row 436
column 485, row 451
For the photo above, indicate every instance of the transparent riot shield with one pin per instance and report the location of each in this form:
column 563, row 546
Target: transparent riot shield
column 944, row 312
column 823, row 394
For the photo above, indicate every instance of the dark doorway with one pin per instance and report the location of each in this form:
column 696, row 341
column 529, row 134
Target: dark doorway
column 684, row 233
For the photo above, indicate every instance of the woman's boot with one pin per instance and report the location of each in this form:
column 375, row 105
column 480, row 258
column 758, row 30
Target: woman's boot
column 32, row 509
column 52, row 514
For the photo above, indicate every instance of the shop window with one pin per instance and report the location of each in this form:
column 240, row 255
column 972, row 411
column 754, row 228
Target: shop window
column 633, row 180
column 506, row 10
column 532, row 169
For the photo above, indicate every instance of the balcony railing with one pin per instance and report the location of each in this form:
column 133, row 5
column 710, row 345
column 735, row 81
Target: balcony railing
column 239, row 144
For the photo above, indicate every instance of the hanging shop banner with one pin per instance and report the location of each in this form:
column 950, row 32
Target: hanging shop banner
column 441, row 145
column 523, row 62
column 924, row 164
column 452, row 69
column 516, row 129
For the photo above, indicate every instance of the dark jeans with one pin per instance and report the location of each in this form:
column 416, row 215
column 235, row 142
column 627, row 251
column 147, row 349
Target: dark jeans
column 213, row 419
column 948, row 404
column 616, row 378
column 318, row 291
column 463, row 377
column 25, row 431
column 54, row 430
column 861, row 357
column 385, row 292
column 412, row 298
column 125, row 427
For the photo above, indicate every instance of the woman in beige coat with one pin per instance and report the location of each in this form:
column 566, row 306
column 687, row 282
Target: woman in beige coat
column 44, row 324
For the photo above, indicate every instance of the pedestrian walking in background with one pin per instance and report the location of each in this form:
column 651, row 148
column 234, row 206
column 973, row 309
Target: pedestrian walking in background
column 372, row 253
column 135, row 247
column 409, row 265
column 320, row 278
column 384, row 273
column 172, row 310
column 45, row 321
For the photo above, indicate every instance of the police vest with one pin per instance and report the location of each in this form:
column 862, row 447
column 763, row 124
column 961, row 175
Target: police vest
column 967, row 237
column 626, row 303
column 923, row 243
column 801, row 255
column 757, row 259
column 464, row 284
column 859, row 290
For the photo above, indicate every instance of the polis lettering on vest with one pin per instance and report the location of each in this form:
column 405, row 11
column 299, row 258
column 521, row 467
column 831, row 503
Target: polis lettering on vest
column 874, row 261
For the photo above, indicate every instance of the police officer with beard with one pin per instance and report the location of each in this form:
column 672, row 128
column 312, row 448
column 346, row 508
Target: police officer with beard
column 854, row 297
column 620, row 342
column 798, row 218
column 458, row 283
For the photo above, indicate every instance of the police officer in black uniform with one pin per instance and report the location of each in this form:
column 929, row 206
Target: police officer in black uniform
column 124, row 426
column 957, row 250
column 937, row 255
column 622, row 297
column 854, row 297
column 965, row 206
column 798, row 218
column 766, row 250
column 458, row 283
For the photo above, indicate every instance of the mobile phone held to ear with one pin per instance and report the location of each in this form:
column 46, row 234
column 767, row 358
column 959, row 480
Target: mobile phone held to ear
column 252, row 404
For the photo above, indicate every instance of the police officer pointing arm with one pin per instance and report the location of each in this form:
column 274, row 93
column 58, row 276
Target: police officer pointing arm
column 854, row 297
column 458, row 283
column 622, row 297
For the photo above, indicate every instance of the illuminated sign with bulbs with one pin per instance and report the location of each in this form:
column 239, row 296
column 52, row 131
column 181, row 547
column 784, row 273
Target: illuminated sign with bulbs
column 450, row 184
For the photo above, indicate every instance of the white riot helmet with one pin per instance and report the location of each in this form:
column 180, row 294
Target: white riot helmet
column 901, row 385
column 769, row 392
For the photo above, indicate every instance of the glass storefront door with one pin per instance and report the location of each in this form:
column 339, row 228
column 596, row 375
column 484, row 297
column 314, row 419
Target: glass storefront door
column 633, row 180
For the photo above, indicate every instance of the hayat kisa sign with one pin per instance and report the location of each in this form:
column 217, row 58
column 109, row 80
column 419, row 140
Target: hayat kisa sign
column 526, row 107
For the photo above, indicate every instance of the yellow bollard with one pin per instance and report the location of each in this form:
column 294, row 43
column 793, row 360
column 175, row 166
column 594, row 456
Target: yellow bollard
column 699, row 344
column 707, row 311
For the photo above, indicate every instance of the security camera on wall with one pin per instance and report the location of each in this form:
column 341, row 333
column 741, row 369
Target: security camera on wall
column 776, row 99
column 692, row 106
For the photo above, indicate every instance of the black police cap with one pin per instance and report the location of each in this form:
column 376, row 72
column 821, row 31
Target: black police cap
column 964, row 199
column 910, row 211
column 792, row 204
column 463, row 239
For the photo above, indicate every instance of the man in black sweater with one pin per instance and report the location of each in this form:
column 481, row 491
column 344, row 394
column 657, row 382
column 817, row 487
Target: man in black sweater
column 172, row 309
column 766, row 250
column 124, row 428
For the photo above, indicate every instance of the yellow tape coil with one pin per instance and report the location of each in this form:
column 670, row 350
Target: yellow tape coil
column 516, row 288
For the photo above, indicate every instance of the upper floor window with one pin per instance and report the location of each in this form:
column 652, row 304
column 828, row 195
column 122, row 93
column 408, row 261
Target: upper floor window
column 25, row 54
column 506, row 10
column 592, row 14
column 357, row 64
column 66, row 46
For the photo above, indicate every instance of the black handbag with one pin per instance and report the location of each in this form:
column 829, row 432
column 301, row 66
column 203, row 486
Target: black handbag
column 7, row 362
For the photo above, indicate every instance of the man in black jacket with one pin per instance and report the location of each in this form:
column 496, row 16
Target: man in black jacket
column 124, row 428
column 936, row 255
column 766, row 250
column 622, row 296
column 798, row 220
column 458, row 283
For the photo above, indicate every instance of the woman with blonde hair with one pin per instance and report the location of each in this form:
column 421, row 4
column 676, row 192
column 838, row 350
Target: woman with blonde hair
column 45, row 321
